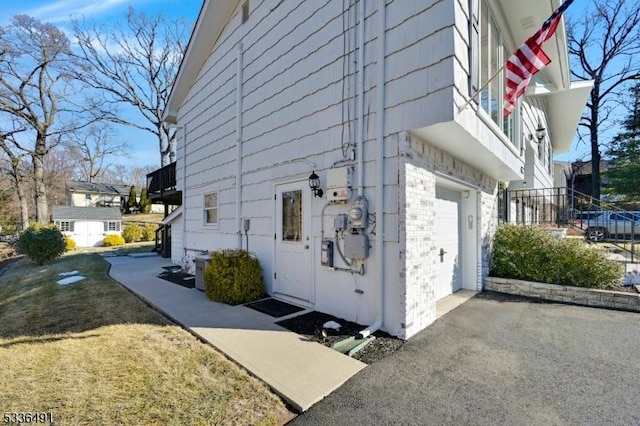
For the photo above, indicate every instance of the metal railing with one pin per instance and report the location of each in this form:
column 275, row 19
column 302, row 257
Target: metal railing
column 162, row 183
column 561, row 207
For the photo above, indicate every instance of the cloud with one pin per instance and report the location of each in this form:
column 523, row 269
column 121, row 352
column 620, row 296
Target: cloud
column 63, row 10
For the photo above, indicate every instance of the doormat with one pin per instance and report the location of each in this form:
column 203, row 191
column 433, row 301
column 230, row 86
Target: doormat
column 180, row 278
column 274, row 308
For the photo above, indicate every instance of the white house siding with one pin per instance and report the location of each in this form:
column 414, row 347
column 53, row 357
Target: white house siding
column 177, row 231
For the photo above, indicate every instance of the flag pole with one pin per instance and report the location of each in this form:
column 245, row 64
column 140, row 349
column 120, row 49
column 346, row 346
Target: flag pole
column 484, row 86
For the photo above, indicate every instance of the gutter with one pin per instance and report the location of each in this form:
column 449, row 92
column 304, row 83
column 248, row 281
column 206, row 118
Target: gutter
column 379, row 245
column 239, row 146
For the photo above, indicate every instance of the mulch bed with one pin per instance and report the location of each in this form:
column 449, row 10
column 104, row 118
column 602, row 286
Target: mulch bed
column 310, row 325
column 179, row 277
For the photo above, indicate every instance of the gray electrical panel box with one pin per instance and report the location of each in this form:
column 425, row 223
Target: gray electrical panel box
column 201, row 264
column 356, row 246
column 341, row 222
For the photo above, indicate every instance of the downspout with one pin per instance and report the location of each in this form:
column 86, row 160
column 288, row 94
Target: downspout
column 184, row 188
column 239, row 146
column 380, row 169
column 360, row 128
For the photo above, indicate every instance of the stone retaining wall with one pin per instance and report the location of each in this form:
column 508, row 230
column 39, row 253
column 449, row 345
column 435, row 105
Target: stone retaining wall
column 559, row 293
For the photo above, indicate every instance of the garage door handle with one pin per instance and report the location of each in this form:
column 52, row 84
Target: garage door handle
column 442, row 253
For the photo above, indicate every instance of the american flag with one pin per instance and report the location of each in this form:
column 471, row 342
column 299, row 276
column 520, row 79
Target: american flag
column 529, row 59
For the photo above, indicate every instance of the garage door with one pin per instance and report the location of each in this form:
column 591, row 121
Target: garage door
column 449, row 262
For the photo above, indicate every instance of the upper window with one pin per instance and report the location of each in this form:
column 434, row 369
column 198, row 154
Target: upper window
column 493, row 54
column 211, row 208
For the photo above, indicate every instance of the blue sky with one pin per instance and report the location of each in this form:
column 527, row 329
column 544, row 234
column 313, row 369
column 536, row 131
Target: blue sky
column 108, row 11
column 59, row 12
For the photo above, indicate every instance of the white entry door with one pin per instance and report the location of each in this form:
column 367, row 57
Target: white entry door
column 292, row 275
column 449, row 262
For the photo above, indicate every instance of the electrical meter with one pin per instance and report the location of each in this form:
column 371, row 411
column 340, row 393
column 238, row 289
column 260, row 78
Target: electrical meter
column 359, row 212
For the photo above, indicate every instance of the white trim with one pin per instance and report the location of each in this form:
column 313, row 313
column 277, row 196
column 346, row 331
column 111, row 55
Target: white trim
column 215, row 225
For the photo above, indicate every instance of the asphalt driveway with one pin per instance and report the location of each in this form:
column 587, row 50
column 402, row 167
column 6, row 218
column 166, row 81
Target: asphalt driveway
column 501, row 360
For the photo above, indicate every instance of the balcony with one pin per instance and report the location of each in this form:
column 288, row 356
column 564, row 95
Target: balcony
column 161, row 186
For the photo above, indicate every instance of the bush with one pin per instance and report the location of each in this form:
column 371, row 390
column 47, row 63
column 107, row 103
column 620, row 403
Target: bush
column 69, row 243
column 113, row 240
column 132, row 233
column 233, row 277
column 533, row 254
column 41, row 243
column 149, row 232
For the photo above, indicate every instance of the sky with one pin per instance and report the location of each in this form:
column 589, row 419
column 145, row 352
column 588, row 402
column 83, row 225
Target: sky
column 107, row 12
column 144, row 145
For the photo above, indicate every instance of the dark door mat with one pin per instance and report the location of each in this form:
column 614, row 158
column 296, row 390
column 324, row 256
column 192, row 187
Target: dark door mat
column 274, row 308
column 180, row 278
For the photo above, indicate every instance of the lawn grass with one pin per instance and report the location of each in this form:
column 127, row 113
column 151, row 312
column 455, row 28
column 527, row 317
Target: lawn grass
column 93, row 353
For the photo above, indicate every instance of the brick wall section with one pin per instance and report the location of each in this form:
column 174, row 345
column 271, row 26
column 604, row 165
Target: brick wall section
column 419, row 164
column 566, row 294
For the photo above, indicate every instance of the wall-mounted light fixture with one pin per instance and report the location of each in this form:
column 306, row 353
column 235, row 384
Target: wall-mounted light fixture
column 314, row 184
column 541, row 132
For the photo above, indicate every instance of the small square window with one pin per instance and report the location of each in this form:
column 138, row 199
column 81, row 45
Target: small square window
column 211, row 208
column 245, row 11
column 63, row 225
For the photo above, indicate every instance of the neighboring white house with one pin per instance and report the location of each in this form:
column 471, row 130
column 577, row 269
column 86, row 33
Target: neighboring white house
column 368, row 96
column 87, row 226
column 93, row 194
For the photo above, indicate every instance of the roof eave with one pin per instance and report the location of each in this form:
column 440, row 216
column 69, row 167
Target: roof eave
column 212, row 19
column 564, row 109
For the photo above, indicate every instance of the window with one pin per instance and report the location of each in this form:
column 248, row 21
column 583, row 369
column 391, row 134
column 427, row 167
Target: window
column 112, row 225
column 292, row 216
column 211, row 208
column 245, row 11
column 493, row 54
column 64, row 225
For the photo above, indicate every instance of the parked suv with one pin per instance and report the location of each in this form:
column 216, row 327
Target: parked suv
column 601, row 225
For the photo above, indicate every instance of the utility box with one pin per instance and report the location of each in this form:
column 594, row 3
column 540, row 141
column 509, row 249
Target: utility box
column 339, row 184
column 356, row 246
column 201, row 264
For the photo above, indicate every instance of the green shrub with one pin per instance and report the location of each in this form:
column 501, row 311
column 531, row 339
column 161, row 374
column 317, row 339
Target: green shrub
column 132, row 233
column 533, row 254
column 149, row 232
column 233, row 277
column 41, row 243
column 113, row 240
column 69, row 243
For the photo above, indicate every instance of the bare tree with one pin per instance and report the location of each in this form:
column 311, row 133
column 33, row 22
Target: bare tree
column 136, row 66
column 93, row 149
column 15, row 170
column 605, row 48
column 36, row 89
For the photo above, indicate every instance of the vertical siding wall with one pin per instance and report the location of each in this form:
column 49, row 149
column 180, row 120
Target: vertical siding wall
column 420, row 164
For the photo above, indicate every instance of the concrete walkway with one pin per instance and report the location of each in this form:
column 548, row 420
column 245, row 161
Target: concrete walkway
column 300, row 371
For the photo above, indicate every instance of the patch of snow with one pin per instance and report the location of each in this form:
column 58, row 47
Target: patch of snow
column 66, row 274
column 71, row 280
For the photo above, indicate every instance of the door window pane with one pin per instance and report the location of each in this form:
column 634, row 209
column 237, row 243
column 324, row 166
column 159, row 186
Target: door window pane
column 292, row 216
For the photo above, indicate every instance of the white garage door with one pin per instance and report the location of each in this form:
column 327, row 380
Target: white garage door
column 449, row 261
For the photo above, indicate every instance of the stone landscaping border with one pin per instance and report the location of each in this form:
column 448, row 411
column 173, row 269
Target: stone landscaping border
column 567, row 294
